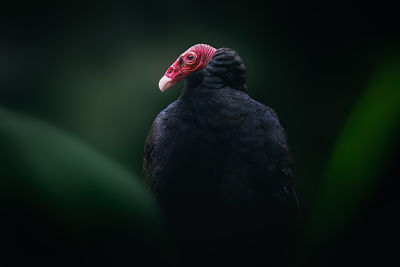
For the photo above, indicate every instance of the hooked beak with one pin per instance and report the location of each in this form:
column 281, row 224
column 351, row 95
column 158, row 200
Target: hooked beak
column 171, row 76
column 165, row 83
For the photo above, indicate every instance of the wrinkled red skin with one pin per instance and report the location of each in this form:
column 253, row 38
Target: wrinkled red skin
column 185, row 65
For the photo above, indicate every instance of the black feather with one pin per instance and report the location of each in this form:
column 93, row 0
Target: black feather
column 221, row 168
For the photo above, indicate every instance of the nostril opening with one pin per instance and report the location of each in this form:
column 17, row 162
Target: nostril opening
column 170, row 70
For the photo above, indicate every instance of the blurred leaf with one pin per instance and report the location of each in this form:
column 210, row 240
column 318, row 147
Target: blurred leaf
column 360, row 152
column 61, row 201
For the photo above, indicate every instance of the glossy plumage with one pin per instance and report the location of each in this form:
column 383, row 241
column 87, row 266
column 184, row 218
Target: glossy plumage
column 220, row 165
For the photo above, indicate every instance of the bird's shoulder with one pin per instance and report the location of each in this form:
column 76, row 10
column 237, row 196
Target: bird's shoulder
column 262, row 137
column 229, row 111
column 260, row 123
column 256, row 133
column 166, row 134
column 169, row 119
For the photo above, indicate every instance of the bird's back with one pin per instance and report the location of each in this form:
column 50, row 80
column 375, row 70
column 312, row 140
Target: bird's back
column 221, row 167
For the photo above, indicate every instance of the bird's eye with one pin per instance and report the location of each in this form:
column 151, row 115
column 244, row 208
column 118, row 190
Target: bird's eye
column 190, row 57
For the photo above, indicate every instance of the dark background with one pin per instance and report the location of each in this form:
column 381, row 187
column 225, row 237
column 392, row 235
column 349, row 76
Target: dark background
column 327, row 68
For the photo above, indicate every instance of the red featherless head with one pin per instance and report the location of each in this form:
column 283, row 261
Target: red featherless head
column 193, row 59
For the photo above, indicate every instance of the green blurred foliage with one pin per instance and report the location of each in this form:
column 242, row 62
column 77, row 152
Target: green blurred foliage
column 62, row 201
column 361, row 152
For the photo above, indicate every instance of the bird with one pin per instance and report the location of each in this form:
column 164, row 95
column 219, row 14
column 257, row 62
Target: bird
column 220, row 166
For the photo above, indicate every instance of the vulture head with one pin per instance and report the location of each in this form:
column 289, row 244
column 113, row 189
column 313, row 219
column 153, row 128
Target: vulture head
column 220, row 67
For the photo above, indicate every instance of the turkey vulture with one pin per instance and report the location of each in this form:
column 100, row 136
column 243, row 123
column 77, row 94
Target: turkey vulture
column 219, row 163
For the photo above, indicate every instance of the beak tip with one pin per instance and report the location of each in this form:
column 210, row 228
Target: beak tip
column 164, row 83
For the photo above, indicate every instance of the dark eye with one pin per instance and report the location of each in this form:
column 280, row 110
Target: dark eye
column 190, row 57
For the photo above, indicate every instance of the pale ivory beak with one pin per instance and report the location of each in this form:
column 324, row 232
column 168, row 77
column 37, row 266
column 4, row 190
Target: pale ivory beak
column 165, row 83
